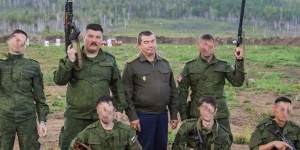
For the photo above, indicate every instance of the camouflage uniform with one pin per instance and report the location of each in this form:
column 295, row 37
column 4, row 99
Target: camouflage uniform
column 121, row 137
column 97, row 77
column 208, row 79
column 188, row 137
column 21, row 98
column 265, row 133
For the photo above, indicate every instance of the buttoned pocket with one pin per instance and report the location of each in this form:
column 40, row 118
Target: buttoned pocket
column 102, row 71
column 165, row 74
column 26, row 80
column 142, row 77
column 196, row 76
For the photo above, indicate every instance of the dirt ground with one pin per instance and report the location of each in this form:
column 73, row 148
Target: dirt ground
column 241, row 117
column 251, row 106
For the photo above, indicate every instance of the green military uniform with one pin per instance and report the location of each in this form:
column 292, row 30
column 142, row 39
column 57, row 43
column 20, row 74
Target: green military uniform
column 208, row 79
column 97, row 77
column 121, row 137
column 267, row 130
column 21, row 98
column 150, row 87
column 192, row 135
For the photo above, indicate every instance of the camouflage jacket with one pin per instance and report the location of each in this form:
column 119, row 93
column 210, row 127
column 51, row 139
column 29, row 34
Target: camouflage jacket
column 266, row 130
column 97, row 77
column 207, row 79
column 22, row 89
column 192, row 135
column 121, row 137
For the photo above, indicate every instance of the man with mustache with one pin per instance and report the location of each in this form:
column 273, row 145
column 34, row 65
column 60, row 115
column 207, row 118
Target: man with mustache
column 151, row 92
column 107, row 133
column 22, row 98
column 205, row 76
column 98, row 76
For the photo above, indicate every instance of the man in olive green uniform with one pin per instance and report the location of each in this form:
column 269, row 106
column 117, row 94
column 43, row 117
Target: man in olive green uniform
column 203, row 133
column 21, row 97
column 277, row 132
column 205, row 76
column 151, row 91
column 98, row 76
column 107, row 133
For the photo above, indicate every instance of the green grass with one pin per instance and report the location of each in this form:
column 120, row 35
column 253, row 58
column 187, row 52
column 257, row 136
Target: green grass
column 272, row 69
column 258, row 61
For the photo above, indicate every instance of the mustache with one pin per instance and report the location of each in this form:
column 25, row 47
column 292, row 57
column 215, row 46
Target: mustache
column 93, row 44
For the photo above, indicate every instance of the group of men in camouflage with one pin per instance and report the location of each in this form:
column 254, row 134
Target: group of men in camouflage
column 147, row 92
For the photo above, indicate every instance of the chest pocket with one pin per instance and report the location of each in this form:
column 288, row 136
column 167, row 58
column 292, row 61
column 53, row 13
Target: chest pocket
column 5, row 73
column 102, row 70
column 26, row 79
column 165, row 74
column 196, row 76
column 142, row 77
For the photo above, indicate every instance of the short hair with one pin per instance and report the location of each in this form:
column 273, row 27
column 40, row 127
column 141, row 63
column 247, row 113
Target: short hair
column 209, row 100
column 94, row 26
column 18, row 31
column 282, row 99
column 206, row 37
column 143, row 33
column 104, row 99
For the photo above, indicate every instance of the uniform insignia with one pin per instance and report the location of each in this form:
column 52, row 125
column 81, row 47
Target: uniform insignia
column 144, row 78
column 133, row 139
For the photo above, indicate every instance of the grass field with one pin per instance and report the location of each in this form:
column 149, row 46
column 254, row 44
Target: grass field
column 271, row 71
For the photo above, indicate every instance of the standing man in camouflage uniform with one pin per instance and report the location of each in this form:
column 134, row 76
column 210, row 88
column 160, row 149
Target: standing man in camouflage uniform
column 107, row 133
column 203, row 133
column 269, row 133
column 22, row 97
column 205, row 76
column 151, row 91
column 98, row 76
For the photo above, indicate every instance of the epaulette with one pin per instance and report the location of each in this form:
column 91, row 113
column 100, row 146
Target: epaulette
column 192, row 60
column 109, row 54
column 131, row 61
column 264, row 123
column 93, row 125
column 122, row 125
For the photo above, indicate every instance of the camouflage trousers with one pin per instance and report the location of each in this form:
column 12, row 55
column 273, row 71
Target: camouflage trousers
column 225, row 122
column 72, row 126
column 26, row 131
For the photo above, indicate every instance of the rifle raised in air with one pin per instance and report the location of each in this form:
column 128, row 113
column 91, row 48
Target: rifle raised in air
column 72, row 33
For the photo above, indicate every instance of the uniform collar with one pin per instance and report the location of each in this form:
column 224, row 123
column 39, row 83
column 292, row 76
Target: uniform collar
column 213, row 130
column 142, row 58
column 15, row 57
column 99, row 57
column 213, row 61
